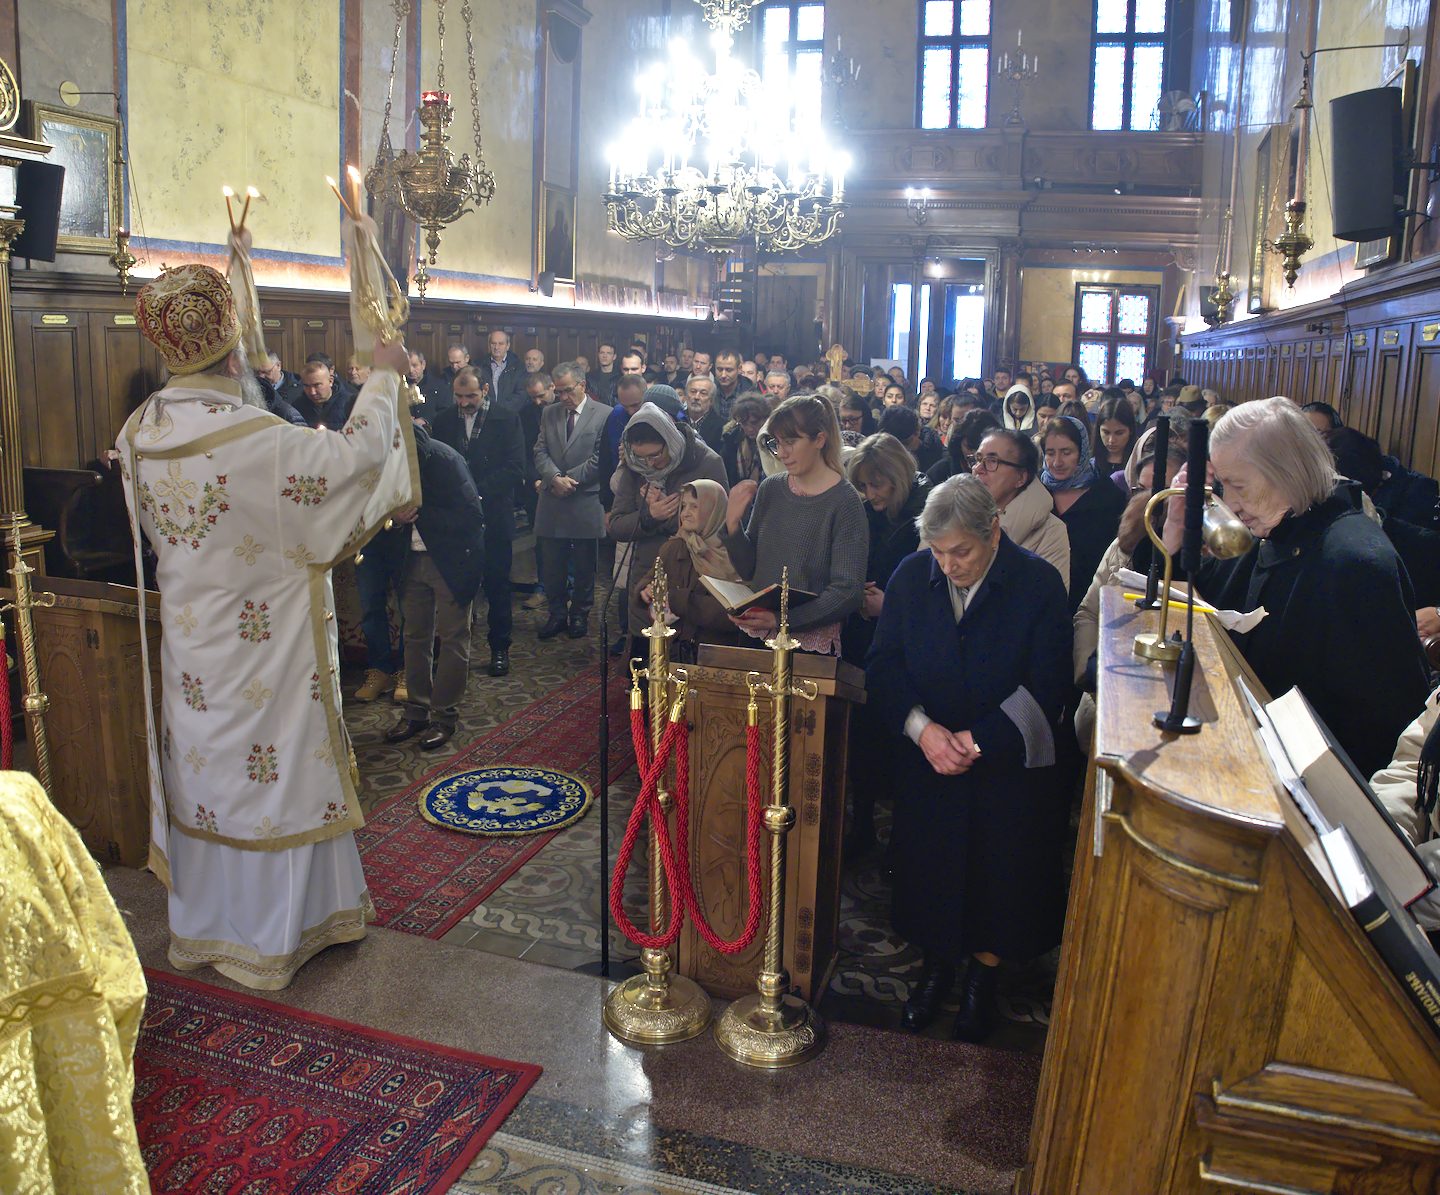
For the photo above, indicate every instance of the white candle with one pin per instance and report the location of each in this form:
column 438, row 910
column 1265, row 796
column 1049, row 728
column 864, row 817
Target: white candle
column 1302, row 155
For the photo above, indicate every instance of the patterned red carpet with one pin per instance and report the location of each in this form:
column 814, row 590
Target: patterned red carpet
column 233, row 1093
column 423, row 879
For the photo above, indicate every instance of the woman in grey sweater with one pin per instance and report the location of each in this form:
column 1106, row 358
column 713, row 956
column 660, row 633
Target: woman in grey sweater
column 809, row 519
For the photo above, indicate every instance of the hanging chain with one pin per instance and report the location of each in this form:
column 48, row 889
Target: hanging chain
column 440, row 73
column 468, row 15
column 402, row 10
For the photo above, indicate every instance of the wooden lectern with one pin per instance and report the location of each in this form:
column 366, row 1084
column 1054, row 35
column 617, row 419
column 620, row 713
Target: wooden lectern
column 819, row 738
column 1221, row 1023
column 88, row 648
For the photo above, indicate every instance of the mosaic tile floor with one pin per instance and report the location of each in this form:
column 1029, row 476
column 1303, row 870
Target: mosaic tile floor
column 549, row 911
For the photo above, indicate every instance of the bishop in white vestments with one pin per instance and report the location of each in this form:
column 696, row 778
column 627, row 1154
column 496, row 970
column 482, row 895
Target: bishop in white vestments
column 253, row 802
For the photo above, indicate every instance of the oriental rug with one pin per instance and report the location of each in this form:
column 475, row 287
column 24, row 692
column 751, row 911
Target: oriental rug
column 234, row 1093
column 506, row 801
column 424, row 879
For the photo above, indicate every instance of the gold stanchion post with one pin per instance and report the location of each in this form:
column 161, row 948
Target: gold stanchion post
column 657, row 1007
column 36, row 703
column 775, row 1028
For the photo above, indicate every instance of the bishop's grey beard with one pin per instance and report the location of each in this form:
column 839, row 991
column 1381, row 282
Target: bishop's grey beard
column 251, row 392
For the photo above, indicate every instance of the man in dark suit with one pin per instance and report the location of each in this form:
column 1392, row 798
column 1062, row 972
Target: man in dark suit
column 489, row 438
column 442, row 573
column 321, row 404
column 285, row 384
column 434, row 392
column 569, row 521
column 504, row 371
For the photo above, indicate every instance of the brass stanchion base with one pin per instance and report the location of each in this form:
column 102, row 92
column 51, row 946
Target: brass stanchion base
column 643, row 1015
column 750, row 1034
column 1152, row 647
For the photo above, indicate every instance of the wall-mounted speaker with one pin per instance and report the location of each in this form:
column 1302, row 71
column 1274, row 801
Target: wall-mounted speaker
column 547, row 283
column 1370, row 164
column 38, row 186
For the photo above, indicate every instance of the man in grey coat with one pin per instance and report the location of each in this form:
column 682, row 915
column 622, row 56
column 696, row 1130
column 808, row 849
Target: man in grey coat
column 569, row 521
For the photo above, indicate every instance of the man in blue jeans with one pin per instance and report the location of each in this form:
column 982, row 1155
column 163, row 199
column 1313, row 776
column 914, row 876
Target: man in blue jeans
column 376, row 573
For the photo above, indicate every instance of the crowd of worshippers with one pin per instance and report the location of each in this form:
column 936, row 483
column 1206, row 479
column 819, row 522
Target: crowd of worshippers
column 955, row 539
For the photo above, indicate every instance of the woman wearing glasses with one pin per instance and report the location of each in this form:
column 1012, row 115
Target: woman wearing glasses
column 965, row 436
column 806, row 518
column 856, row 416
column 971, row 664
column 1008, row 464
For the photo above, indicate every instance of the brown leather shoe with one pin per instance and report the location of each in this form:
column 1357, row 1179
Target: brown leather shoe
column 435, row 737
column 406, row 728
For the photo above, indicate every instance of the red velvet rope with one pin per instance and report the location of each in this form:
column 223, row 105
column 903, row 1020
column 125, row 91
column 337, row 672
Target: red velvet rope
column 752, row 844
column 648, row 804
column 675, row 853
column 7, row 732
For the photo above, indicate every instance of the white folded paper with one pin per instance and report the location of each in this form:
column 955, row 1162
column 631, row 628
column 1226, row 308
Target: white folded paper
column 1231, row 620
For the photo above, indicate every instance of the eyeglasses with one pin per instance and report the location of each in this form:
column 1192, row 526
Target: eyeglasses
column 772, row 444
column 854, row 422
column 569, row 390
column 649, row 458
column 989, row 462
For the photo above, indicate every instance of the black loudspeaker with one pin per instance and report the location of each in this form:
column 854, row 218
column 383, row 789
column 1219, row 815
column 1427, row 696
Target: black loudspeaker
column 37, row 194
column 1370, row 161
column 547, row 283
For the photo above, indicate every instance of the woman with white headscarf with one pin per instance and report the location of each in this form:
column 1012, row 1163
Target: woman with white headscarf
column 657, row 457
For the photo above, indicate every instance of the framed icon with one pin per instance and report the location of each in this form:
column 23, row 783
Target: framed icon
column 87, row 146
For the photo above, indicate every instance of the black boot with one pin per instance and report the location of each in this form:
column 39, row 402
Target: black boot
column 936, row 980
column 978, row 1012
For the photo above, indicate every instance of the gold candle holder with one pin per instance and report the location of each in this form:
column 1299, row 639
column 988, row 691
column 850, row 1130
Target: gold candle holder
column 35, row 702
column 775, row 1028
column 657, row 1007
column 122, row 260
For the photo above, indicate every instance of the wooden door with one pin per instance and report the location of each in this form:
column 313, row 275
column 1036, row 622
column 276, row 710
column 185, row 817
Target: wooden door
column 52, row 367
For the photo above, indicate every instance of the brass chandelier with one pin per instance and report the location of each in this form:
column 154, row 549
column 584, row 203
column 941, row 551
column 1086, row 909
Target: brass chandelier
column 769, row 179
column 430, row 186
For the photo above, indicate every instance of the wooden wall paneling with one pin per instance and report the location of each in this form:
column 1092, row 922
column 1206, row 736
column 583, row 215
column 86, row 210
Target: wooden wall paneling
column 1303, row 381
column 54, row 389
column 314, row 338
column 1354, row 390
column 1425, row 394
column 125, row 370
column 1392, row 414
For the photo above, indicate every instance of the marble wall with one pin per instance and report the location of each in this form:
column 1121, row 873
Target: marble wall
column 279, row 93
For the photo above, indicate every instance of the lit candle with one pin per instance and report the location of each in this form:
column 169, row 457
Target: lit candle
column 357, row 202
column 250, row 193
column 1019, row 38
column 229, row 206
column 330, row 182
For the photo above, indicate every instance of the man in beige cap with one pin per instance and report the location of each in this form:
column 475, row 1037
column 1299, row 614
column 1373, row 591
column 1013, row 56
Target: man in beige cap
column 253, row 803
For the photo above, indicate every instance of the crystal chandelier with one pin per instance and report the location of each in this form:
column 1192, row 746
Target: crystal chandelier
column 430, row 186
column 715, row 160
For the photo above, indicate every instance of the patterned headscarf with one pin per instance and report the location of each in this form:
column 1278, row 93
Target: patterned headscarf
column 1084, row 476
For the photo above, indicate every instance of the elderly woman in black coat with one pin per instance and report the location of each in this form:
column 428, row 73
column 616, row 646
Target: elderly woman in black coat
column 1340, row 621
column 968, row 671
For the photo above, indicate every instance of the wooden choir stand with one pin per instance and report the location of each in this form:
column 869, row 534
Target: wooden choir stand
column 819, row 736
column 1220, row 1023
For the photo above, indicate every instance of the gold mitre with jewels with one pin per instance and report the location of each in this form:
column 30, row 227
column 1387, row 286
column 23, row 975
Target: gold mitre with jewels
column 188, row 313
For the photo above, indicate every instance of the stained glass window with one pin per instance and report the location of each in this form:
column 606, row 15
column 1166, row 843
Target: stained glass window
column 1128, row 64
column 1095, row 361
column 1130, row 362
column 1095, row 311
column 1115, row 330
column 954, row 64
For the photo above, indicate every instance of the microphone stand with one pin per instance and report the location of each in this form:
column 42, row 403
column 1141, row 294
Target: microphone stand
column 604, row 736
column 1157, row 485
column 1177, row 719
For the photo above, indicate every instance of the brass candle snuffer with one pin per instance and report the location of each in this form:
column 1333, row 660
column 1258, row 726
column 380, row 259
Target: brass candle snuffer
column 35, row 702
column 1225, row 536
column 775, row 1028
column 657, row 1007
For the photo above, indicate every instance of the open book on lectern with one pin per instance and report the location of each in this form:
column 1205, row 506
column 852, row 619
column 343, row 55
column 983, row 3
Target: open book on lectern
column 737, row 597
column 1342, row 796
